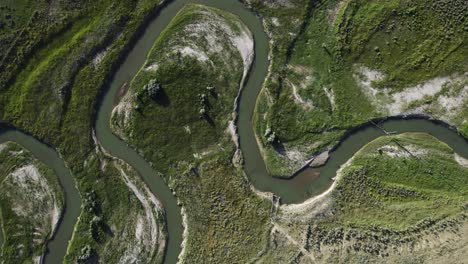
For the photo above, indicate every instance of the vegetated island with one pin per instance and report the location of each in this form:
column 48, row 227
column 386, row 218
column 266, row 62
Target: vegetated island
column 401, row 198
column 178, row 113
column 31, row 205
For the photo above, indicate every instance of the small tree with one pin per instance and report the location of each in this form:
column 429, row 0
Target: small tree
column 271, row 138
column 86, row 254
column 202, row 99
column 270, row 135
column 202, row 111
column 152, row 88
column 210, row 89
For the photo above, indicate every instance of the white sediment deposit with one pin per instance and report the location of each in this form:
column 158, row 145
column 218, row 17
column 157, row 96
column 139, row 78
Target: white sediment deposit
column 189, row 51
column 99, row 57
column 210, row 37
column 34, row 198
column 298, row 99
column 440, row 104
column 314, row 205
column 320, row 159
column 2, row 146
column 143, row 236
column 462, row 161
column 35, row 193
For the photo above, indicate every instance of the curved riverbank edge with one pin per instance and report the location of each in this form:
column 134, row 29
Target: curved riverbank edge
column 106, row 91
column 140, row 154
column 72, row 206
column 308, row 203
column 422, row 123
column 118, row 148
column 370, row 123
column 379, row 120
column 233, row 128
column 124, row 54
column 6, row 127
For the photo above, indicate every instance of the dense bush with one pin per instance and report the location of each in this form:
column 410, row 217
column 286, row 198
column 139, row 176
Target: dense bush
column 152, row 88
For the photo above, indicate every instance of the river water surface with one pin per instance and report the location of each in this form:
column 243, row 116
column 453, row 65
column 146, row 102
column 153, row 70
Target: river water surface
column 305, row 184
column 58, row 245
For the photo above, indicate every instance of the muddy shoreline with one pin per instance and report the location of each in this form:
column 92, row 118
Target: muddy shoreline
column 362, row 126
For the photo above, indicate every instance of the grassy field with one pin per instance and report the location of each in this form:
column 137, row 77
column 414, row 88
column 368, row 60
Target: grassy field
column 31, row 203
column 397, row 192
column 356, row 60
column 226, row 221
column 415, row 178
column 59, row 57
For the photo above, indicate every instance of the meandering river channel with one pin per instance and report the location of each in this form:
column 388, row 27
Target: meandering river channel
column 294, row 190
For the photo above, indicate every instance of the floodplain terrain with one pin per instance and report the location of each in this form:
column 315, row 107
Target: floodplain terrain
column 399, row 198
column 361, row 60
column 31, row 204
column 178, row 122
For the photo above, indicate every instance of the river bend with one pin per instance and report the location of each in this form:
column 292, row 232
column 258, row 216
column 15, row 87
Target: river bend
column 292, row 190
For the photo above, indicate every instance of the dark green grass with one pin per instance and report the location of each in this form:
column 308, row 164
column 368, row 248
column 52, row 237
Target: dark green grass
column 409, row 41
column 387, row 204
column 161, row 122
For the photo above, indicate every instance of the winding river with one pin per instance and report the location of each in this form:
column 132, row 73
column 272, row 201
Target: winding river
column 47, row 155
column 294, row 190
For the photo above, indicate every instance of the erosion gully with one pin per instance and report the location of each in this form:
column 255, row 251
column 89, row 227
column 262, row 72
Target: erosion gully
column 306, row 183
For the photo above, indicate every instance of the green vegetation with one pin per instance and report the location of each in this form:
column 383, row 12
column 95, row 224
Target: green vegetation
column 171, row 121
column 409, row 41
column 396, row 192
column 322, row 90
column 284, row 22
column 198, row 66
column 309, row 128
column 119, row 213
column 398, row 181
column 59, row 56
column 31, row 203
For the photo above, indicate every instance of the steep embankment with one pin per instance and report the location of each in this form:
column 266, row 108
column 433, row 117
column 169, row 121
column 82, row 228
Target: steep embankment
column 138, row 218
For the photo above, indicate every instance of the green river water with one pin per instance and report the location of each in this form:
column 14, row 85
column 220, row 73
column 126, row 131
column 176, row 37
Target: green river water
column 296, row 189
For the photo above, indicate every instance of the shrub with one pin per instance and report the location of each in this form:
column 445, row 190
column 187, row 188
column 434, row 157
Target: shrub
column 152, row 88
